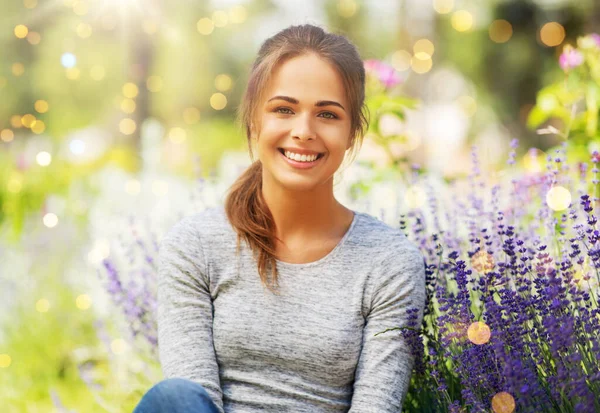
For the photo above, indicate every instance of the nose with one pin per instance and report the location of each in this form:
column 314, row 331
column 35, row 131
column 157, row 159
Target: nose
column 302, row 128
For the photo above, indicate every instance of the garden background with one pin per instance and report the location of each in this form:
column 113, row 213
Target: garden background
column 117, row 119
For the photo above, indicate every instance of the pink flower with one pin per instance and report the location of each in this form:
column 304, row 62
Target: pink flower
column 596, row 38
column 385, row 73
column 570, row 58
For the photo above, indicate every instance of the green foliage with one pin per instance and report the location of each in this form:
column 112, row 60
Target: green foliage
column 24, row 190
column 41, row 344
column 574, row 99
column 210, row 139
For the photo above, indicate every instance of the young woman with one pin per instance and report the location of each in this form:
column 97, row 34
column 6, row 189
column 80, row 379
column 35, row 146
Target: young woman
column 271, row 303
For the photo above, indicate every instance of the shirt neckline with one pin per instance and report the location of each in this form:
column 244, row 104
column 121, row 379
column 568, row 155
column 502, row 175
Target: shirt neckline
column 332, row 253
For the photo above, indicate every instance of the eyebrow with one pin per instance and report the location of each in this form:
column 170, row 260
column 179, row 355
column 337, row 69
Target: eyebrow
column 318, row 104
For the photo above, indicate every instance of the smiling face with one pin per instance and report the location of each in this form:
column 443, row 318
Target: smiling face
column 304, row 107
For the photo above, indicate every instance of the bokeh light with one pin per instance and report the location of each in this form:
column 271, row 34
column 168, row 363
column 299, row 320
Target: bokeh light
column 462, row 20
column 191, row 115
column 83, row 302
column 130, row 90
column 5, row 361
column 21, row 31
column 72, row 73
column 41, row 106
column 558, row 198
column 479, row 333
column 347, row 8
column 7, row 135
column 423, row 49
column 38, row 126
column 127, row 126
column 177, row 135
column 118, row 346
column 552, row 34
column 205, row 26
column 218, row 101
column 18, row 69
column 43, row 158
column 15, row 121
column 77, row 146
column 15, row 184
column 68, row 60
column 42, row 305
column 80, row 8
column 99, row 252
column 421, row 66
column 34, row 38
column 401, row 60
column 27, row 120
column 84, row 30
column 223, row 82
column 503, row 402
column 482, row 262
column 237, row 14
column 128, row 106
column 50, row 220
column 443, row 6
column 500, row 31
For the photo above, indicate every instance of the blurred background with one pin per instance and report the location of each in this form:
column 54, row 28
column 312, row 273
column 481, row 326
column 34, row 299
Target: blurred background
column 118, row 116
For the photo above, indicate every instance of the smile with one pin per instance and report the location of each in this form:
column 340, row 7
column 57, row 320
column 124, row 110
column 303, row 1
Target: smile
column 301, row 164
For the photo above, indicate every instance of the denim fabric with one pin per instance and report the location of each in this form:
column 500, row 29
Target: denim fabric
column 176, row 395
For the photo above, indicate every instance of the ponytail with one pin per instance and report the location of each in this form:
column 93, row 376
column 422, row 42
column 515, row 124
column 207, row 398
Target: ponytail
column 252, row 220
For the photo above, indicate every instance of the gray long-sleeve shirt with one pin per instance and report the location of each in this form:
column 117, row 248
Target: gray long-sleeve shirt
column 310, row 349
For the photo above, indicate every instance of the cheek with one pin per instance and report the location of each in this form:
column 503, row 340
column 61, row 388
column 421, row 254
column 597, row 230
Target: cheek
column 271, row 127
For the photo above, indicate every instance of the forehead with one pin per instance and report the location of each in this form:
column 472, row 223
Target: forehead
column 307, row 78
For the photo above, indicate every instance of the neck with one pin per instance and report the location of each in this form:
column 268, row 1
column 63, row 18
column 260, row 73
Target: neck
column 304, row 215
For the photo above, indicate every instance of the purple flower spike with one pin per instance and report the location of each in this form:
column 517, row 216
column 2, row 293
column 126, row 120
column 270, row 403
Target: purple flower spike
column 385, row 73
column 570, row 58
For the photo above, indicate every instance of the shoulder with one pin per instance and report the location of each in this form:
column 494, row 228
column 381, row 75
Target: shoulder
column 383, row 242
column 395, row 261
column 191, row 238
column 199, row 225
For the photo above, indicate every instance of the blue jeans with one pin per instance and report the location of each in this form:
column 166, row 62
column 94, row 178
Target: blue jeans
column 176, row 395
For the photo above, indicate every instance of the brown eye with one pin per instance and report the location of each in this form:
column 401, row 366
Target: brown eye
column 279, row 109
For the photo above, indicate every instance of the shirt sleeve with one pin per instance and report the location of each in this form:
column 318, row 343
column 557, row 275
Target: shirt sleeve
column 386, row 361
column 185, row 311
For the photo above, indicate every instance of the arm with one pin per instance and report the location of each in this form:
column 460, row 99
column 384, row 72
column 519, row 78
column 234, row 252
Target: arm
column 386, row 361
column 185, row 311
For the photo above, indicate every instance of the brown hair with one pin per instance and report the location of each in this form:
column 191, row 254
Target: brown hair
column 245, row 207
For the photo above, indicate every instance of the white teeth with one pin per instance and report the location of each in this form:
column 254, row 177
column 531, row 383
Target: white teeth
column 300, row 158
